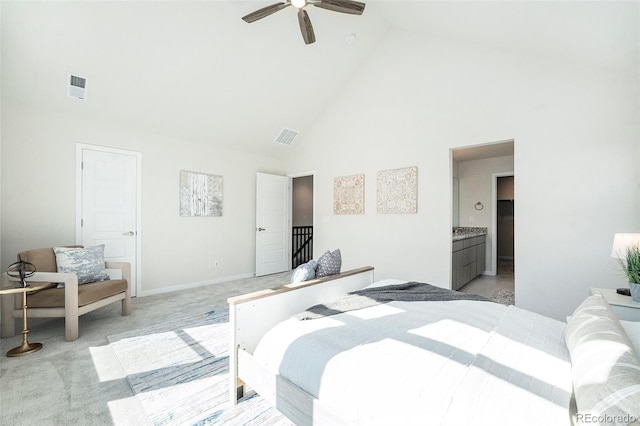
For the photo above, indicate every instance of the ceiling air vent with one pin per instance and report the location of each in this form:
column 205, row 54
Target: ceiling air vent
column 286, row 136
column 77, row 87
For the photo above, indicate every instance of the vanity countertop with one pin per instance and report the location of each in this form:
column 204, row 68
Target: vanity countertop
column 462, row 233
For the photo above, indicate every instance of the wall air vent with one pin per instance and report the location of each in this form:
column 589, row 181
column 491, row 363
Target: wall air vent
column 76, row 87
column 286, row 136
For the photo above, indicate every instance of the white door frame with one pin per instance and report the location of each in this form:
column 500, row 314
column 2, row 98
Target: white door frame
column 138, row 157
column 313, row 222
column 494, row 220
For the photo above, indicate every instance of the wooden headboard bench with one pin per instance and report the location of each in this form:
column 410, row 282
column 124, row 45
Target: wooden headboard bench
column 252, row 315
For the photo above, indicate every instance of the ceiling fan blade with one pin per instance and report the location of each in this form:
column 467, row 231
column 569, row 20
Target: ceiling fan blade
column 343, row 6
column 265, row 11
column 305, row 27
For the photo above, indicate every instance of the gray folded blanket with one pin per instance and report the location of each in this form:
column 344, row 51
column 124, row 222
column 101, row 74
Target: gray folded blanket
column 408, row 292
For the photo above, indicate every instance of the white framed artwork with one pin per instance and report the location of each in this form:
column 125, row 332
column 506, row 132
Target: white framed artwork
column 348, row 194
column 397, row 191
column 200, row 194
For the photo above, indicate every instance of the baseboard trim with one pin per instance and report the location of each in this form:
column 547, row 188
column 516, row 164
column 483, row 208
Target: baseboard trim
column 195, row 284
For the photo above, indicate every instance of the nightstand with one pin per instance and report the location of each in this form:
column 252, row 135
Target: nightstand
column 623, row 306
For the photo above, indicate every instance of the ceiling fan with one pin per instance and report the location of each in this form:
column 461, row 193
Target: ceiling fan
column 343, row 6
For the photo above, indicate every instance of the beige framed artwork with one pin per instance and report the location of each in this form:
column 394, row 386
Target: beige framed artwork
column 397, row 191
column 348, row 194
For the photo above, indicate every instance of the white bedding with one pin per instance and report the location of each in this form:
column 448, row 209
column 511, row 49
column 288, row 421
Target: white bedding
column 448, row 363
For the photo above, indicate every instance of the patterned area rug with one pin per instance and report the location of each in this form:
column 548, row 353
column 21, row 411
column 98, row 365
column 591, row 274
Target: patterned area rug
column 503, row 296
column 179, row 374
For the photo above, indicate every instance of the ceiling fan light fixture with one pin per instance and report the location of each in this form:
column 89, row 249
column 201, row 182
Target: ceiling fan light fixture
column 351, row 7
column 298, row 3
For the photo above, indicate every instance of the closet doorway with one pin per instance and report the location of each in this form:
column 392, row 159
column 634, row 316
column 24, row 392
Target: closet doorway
column 504, row 225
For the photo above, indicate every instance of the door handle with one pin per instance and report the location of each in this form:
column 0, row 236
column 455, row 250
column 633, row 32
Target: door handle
column 129, row 234
column 260, row 229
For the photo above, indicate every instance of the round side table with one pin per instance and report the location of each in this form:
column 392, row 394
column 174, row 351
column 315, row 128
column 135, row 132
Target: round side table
column 25, row 348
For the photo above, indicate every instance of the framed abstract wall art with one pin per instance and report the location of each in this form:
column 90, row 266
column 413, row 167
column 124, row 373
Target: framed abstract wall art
column 348, row 194
column 200, row 194
column 397, row 191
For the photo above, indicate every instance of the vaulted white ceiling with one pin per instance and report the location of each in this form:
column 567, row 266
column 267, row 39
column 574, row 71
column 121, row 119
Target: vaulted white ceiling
column 195, row 70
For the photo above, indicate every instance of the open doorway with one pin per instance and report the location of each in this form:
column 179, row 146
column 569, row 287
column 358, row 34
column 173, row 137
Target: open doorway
column 301, row 220
column 475, row 171
column 505, row 220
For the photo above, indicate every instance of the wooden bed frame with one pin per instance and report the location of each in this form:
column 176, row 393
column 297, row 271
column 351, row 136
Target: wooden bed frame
column 252, row 315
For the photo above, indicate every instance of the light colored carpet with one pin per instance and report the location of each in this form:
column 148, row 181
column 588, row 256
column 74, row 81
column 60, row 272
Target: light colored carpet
column 178, row 372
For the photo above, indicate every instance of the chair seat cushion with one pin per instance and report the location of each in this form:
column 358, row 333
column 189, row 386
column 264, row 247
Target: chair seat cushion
column 87, row 293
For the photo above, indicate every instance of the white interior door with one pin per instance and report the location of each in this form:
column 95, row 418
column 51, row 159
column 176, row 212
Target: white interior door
column 109, row 195
column 273, row 235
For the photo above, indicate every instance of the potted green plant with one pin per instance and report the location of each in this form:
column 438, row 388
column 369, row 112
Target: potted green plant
column 630, row 263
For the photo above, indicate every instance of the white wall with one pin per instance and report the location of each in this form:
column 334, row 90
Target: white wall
column 576, row 130
column 38, row 196
column 476, row 185
column 576, row 154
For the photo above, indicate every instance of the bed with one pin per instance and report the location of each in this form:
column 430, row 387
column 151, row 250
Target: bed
column 441, row 362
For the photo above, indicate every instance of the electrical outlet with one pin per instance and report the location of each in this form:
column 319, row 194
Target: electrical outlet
column 216, row 263
column 213, row 264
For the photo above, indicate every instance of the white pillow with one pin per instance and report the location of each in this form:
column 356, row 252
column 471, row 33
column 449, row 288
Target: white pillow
column 632, row 328
column 304, row 272
column 604, row 366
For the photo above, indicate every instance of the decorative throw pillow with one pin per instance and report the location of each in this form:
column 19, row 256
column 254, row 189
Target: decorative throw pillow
column 604, row 365
column 304, row 272
column 329, row 263
column 87, row 263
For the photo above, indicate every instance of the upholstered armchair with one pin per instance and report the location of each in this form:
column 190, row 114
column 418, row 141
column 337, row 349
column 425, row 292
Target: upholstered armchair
column 66, row 296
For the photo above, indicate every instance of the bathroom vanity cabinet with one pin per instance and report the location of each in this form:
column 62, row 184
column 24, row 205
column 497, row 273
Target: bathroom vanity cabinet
column 468, row 258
